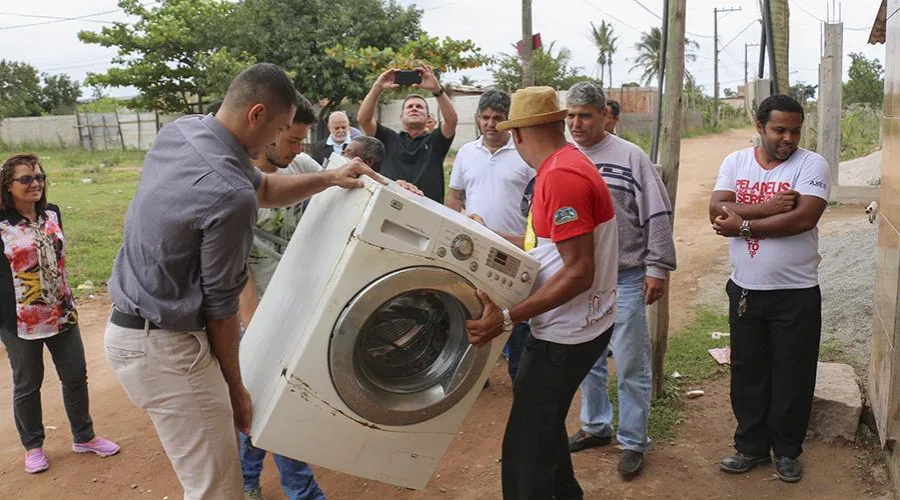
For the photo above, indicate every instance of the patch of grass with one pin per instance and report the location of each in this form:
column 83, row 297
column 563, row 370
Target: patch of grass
column 830, row 351
column 93, row 212
column 687, row 354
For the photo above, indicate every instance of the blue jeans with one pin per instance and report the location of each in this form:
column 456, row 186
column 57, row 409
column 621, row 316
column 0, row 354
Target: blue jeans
column 631, row 343
column 514, row 347
column 296, row 476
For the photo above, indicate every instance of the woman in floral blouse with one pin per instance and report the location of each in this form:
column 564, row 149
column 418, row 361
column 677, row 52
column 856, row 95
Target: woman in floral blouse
column 37, row 309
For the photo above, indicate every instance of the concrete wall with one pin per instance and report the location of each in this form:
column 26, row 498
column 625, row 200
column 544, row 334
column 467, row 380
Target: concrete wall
column 884, row 366
column 55, row 131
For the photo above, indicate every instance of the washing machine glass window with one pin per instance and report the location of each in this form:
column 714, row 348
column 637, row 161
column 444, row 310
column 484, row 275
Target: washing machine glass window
column 412, row 341
column 399, row 352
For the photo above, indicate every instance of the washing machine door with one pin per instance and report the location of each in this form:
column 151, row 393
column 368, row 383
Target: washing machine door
column 399, row 352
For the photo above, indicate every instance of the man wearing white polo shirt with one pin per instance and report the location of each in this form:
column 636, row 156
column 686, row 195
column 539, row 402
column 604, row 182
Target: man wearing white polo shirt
column 489, row 179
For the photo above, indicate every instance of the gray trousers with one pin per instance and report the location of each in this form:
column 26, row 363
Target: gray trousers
column 26, row 357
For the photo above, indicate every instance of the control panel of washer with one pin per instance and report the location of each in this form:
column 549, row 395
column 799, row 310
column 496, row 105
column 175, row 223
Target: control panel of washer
column 488, row 262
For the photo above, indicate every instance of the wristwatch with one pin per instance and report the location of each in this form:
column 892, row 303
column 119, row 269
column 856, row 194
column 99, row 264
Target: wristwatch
column 745, row 231
column 439, row 92
column 508, row 325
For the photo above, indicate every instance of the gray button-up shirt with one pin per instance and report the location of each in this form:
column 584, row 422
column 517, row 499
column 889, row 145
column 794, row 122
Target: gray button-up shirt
column 188, row 231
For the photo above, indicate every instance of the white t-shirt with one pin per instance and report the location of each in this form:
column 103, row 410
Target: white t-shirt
column 786, row 263
column 493, row 183
column 279, row 222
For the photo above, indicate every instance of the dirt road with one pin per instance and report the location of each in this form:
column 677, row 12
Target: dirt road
column 684, row 468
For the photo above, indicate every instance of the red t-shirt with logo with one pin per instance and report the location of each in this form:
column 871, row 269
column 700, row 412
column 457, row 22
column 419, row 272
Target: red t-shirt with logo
column 570, row 200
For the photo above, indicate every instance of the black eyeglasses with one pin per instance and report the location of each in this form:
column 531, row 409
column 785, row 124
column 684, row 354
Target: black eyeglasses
column 25, row 180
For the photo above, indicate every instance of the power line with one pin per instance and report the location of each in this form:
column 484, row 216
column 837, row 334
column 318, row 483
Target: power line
column 817, row 18
column 57, row 18
column 83, row 18
column 614, row 18
column 660, row 18
column 78, row 18
column 739, row 34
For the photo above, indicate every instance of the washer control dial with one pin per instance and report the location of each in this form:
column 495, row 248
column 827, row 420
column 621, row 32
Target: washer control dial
column 462, row 247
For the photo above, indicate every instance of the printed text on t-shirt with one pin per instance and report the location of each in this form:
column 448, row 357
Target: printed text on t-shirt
column 758, row 192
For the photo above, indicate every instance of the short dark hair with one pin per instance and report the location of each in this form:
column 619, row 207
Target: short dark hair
column 372, row 152
column 305, row 113
column 263, row 83
column 614, row 107
column 494, row 99
column 778, row 102
column 414, row 96
column 6, row 177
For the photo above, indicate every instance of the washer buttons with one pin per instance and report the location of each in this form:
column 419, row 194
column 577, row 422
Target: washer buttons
column 490, row 274
column 442, row 252
column 473, row 266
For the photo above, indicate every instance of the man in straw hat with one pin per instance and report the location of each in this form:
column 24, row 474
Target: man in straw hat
column 572, row 231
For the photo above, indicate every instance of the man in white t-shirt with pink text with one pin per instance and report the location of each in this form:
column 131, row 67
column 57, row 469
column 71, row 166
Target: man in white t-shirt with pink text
column 768, row 201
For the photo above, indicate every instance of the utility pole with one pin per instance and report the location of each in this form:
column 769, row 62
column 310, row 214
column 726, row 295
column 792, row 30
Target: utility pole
column 670, row 154
column 716, row 13
column 527, row 45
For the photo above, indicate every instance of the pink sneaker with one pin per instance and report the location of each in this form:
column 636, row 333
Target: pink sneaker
column 36, row 461
column 98, row 445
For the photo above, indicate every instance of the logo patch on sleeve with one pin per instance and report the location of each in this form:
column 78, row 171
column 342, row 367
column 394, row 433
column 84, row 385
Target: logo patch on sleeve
column 564, row 215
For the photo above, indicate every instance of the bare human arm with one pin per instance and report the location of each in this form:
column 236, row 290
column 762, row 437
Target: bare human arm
column 369, row 106
column 285, row 190
column 249, row 300
column 224, row 341
column 782, row 202
column 449, row 119
column 456, row 199
column 575, row 277
column 803, row 218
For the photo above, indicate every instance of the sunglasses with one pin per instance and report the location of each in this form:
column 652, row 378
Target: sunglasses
column 26, row 180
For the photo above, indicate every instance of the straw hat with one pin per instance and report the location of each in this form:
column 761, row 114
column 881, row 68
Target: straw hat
column 533, row 106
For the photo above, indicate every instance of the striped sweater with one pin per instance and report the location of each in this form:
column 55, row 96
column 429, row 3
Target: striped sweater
column 643, row 210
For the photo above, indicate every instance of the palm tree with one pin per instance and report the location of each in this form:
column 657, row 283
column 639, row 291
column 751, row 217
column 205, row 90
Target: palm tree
column 605, row 43
column 466, row 81
column 648, row 54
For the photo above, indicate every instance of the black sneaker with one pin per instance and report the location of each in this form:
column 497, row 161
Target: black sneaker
column 630, row 463
column 740, row 463
column 583, row 440
column 790, row 470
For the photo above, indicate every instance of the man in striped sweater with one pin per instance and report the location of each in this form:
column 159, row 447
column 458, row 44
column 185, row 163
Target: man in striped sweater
column 646, row 255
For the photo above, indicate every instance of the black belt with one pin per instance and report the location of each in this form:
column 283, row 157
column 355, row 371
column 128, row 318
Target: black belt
column 130, row 321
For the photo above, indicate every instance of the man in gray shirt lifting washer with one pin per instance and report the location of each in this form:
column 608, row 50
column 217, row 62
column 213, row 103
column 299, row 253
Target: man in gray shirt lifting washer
column 173, row 334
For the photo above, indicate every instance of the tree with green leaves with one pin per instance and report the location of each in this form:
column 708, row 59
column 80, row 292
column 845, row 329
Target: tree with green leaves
column 803, row 92
column 604, row 41
column 552, row 70
column 177, row 53
column 60, row 94
column 466, row 81
column 302, row 36
column 649, row 54
column 20, row 90
column 866, row 83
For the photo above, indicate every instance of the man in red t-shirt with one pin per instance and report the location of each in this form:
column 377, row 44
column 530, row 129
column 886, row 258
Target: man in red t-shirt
column 572, row 232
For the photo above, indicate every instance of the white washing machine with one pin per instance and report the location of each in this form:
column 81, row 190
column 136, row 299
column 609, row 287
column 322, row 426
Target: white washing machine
column 357, row 358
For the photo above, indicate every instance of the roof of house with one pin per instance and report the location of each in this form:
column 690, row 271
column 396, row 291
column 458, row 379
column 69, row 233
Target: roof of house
column 877, row 35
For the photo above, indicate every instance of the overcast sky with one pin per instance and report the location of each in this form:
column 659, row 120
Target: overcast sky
column 493, row 25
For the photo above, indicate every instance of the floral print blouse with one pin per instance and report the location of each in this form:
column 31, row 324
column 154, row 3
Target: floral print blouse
column 35, row 251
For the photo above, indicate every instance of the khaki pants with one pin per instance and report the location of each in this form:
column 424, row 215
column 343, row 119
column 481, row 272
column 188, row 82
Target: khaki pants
column 175, row 378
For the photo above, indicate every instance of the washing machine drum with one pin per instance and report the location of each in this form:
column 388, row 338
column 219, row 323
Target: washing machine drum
column 399, row 352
